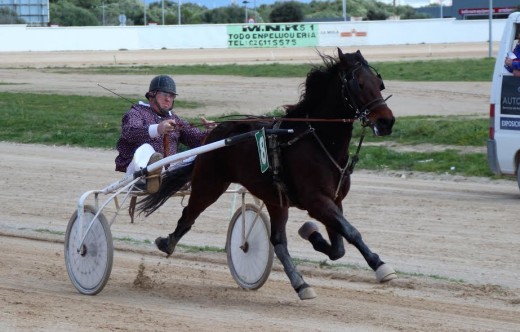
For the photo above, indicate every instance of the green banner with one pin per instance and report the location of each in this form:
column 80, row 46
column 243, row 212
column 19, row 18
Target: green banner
column 272, row 35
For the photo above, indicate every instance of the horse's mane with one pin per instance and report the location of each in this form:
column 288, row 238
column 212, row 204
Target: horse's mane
column 314, row 87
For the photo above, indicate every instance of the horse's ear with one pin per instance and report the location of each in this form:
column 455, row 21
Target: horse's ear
column 340, row 53
column 360, row 57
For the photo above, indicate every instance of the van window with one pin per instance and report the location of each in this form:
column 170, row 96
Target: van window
column 513, row 51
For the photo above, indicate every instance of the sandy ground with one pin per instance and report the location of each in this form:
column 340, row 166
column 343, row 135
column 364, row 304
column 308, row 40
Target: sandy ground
column 453, row 240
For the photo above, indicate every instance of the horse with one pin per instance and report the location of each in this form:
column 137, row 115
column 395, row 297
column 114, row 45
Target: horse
column 313, row 171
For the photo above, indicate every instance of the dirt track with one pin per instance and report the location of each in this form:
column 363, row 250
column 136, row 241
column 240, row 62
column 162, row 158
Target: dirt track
column 454, row 242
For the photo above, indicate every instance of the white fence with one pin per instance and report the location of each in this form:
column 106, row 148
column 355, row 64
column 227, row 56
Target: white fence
column 399, row 32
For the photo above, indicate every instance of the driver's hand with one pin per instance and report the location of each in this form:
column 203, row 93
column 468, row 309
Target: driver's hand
column 166, row 127
column 207, row 123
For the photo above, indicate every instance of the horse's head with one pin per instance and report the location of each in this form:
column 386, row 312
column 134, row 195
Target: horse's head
column 361, row 88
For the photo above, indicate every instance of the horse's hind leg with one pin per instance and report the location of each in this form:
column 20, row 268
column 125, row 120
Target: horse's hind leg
column 335, row 250
column 279, row 217
column 202, row 195
column 332, row 217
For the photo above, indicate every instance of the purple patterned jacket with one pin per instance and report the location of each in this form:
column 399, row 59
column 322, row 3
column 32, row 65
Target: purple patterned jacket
column 134, row 133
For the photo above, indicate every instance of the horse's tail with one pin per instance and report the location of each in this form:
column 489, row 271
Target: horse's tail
column 172, row 181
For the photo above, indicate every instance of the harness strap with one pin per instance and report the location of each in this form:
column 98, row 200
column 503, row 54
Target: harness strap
column 310, row 130
column 341, row 170
column 349, row 167
column 355, row 157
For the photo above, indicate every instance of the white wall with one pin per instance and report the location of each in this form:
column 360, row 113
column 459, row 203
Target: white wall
column 400, row 32
column 412, row 32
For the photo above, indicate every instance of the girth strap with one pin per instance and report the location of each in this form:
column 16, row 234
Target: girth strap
column 275, row 155
column 274, row 152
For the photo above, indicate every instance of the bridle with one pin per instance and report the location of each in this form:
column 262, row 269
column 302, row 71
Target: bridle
column 350, row 89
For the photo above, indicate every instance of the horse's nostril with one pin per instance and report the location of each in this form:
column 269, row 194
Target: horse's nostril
column 386, row 122
column 384, row 126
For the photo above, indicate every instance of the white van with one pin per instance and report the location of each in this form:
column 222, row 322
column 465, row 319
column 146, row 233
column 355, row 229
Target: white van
column 503, row 147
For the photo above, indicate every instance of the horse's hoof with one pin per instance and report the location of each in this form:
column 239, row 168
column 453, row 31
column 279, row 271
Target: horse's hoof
column 385, row 273
column 307, row 229
column 162, row 245
column 307, row 293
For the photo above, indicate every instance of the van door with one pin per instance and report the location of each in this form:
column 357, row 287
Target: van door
column 504, row 124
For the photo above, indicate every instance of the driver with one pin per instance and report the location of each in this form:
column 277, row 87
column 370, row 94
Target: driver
column 145, row 124
column 512, row 61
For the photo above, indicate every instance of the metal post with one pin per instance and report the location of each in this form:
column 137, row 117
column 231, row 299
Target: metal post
column 441, row 2
column 490, row 28
column 144, row 3
column 245, row 5
column 345, row 10
column 162, row 11
column 179, row 10
column 256, row 11
column 103, row 13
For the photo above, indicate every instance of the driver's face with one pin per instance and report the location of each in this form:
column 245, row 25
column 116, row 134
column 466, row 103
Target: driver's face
column 164, row 100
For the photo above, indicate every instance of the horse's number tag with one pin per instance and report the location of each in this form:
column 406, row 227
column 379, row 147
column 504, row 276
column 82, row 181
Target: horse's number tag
column 262, row 150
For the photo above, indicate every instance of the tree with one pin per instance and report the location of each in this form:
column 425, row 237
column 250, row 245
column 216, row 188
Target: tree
column 375, row 14
column 316, row 10
column 192, row 13
column 290, row 11
column 107, row 12
column 8, row 16
column 66, row 14
column 230, row 14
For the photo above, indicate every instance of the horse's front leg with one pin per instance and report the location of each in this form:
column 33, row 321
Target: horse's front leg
column 168, row 244
column 332, row 217
column 279, row 217
column 202, row 195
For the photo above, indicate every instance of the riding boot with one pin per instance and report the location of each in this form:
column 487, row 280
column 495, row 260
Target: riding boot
column 153, row 181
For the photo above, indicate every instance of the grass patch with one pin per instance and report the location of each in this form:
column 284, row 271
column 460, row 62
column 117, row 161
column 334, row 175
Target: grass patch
column 449, row 161
column 450, row 130
column 454, row 70
column 130, row 240
column 260, row 70
column 195, row 249
column 473, row 70
column 63, row 120
column 181, row 247
column 328, row 265
column 48, row 231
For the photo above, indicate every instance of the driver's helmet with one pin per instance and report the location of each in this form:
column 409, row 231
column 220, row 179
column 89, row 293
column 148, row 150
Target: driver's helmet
column 162, row 83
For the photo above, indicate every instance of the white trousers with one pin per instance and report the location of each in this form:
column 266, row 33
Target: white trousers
column 141, row 157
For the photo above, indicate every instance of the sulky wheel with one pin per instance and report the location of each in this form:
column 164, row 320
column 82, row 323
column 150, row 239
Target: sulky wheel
column 249, row 250
column 90, row 264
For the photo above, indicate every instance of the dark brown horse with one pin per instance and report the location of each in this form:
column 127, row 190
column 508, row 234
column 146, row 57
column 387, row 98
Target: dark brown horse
column 310, row 169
